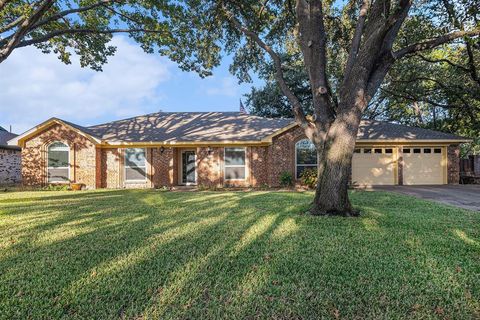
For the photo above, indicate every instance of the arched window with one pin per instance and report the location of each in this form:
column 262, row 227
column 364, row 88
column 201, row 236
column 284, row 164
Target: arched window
column 58, row 165
column 305, row 156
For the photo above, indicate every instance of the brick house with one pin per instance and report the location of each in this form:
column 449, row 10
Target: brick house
column 10, row 159
column 223, row 149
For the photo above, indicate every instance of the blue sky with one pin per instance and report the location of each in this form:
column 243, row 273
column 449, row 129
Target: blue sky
column 36, row 86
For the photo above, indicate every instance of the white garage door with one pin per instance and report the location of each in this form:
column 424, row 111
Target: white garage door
column 423, row 165
column 373, row 166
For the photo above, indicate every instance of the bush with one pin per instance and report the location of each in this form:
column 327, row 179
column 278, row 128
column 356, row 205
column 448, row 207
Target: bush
column 56, row 187
column 309, row 178
column 286, row 179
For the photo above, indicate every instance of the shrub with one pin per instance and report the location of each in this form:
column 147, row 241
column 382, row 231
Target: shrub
column 56, row 187
column 286, row 179
column 309, row 177
column 264, row 186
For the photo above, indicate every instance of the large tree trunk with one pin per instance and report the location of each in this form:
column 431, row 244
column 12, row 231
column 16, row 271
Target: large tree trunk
column 334, row 170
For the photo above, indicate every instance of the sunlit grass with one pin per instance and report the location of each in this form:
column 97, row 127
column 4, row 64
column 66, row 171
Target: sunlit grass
column 150, row 254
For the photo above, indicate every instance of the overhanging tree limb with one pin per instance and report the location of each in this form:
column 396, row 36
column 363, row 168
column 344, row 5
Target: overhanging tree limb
column 430, row 44
column 24, row 28
column 57, row 33
column 292, row 98
column 384, row 61
column 70, row 11
column 12, row 24
column 357, row 38
column 426, row 59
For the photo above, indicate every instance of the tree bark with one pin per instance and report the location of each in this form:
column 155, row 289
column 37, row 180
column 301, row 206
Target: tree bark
column 335, row 161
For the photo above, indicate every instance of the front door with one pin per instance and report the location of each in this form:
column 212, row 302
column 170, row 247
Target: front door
column 188, row 167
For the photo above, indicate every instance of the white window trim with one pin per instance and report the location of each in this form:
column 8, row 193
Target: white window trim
column 125, row 167
column 225, row 166
column 67, row 167
column 303, row 165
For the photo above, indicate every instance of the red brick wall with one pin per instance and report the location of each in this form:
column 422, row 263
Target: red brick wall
column 281, row 155
column 83, row 156
column 210, row 166
column 105, row 167
column 10, row 166
column 110, row 168
column 453, row 164
column 258, row 166
column 164, row 167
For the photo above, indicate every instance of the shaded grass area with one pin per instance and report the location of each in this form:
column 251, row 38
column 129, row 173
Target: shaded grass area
column 148, row 254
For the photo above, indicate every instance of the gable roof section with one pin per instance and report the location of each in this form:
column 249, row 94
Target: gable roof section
column 191, row 127
column 19, row 140
column 4, row 137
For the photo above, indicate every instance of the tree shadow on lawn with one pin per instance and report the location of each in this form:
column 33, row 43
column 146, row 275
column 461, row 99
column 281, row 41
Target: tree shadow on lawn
column 234, row 255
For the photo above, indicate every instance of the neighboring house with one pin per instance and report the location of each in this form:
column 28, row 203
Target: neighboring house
column 10, row 159
column 223, row 149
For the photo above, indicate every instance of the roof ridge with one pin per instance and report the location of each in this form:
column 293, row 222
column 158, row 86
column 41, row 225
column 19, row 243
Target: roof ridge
column 185, row 112
column 129, row 118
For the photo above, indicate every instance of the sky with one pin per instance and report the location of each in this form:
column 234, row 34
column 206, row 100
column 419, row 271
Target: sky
column 35, row 87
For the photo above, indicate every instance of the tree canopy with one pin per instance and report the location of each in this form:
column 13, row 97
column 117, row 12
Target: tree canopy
column 85, row 27
column 348, row 50
column 437, row 89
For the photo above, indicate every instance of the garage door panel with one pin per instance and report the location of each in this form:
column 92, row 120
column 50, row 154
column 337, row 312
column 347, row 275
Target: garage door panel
column 373, row 169
column 423, row 168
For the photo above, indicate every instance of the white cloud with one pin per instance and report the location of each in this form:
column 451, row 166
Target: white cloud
column 36, row 86
column 227, row 86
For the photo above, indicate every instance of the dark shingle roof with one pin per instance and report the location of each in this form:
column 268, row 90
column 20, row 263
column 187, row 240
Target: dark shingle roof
column 234, row 126
column 380, row 130
column 4, row 137
column 189, row 127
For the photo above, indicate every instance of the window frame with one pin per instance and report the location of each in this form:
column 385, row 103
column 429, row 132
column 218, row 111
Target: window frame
column 67, row 167
column 225, row 166
column 304, row 165
column 125, row 167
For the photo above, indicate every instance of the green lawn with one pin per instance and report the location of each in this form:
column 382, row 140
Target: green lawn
column 151, row 254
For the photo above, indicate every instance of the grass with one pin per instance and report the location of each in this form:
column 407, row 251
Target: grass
column 149, row 254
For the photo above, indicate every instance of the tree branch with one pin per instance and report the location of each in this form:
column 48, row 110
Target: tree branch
column 57, row 33
column 12, row 24
column 67, row 12
column 292, row 98
column 471, row 63
column 430, row 44
column 24, row 28
column 313, row 42
column 357, row 38
column 384, row 60
column 424, row 58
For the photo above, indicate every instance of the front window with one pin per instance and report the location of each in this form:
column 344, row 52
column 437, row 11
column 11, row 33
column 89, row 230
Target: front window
column 235, row 164
column 58, row 165
column 306, row 156
column 135, row 164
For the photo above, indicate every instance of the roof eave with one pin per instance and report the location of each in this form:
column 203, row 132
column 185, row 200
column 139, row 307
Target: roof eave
column 115, row 144
column 270, row 137
column 414, row 141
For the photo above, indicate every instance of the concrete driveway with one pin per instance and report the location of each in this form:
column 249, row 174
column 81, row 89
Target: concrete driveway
column 465, row 196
